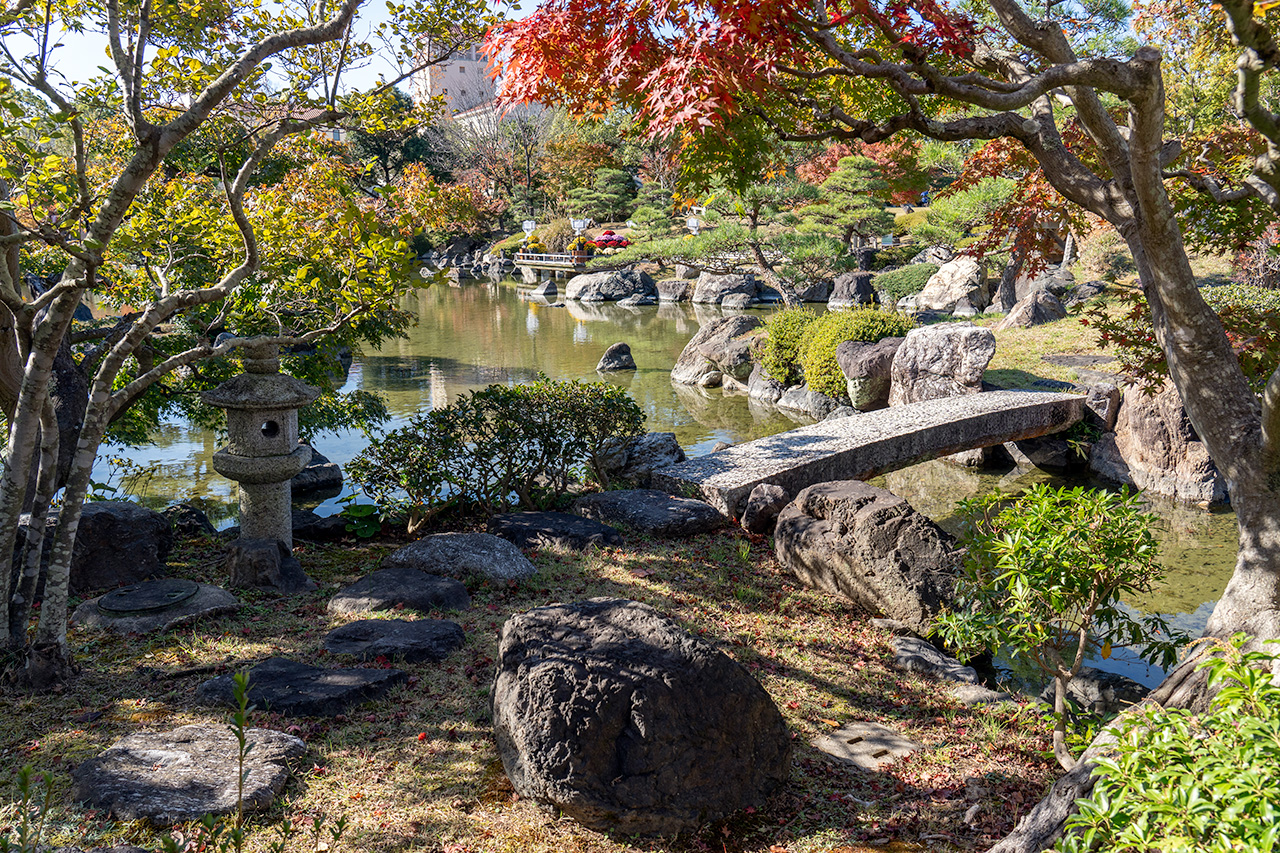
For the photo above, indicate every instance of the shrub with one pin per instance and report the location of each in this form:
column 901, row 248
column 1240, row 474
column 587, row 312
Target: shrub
column 1258, row 263
column 787, row 331
column 892, row 257
column 526, row 442
column 1104, row 255
column 1250, row 317
column 818, row 348
column 1043, row 577
column 904, row 281
column 1186, row 783
column 556, row 234
column 904, row 223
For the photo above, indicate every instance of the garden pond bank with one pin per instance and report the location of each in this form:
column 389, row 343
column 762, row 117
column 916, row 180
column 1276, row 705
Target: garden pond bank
column 478, row 334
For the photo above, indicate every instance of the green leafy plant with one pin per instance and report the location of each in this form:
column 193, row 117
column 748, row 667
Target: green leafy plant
column 892, row 285
column 787, row 330
column 818, row 347
column 1043, row 577
column 500, row 446
column 1180, row 782
column 364, row 520
column 33, row 811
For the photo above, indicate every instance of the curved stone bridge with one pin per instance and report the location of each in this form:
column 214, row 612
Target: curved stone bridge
column 864, row 445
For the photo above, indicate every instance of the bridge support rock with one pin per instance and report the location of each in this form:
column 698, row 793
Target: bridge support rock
column 871, row 547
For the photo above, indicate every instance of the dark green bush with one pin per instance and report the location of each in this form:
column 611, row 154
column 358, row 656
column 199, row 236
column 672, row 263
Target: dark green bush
column 523, row 442
column 892, row 285
column 787, row 330
column 892, row 257
column 818, row 347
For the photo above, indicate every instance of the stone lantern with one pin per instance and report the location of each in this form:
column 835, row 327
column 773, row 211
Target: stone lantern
column 262, row 452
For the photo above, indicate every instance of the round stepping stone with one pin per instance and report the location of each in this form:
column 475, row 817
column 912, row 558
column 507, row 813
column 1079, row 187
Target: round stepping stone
column 389, row 588
column 297, row 690
column 650, row 511
column 553, row 529
column 866, row 745
column 460, row 555
column 159, row 605
column 426, row 639
column 186, row 773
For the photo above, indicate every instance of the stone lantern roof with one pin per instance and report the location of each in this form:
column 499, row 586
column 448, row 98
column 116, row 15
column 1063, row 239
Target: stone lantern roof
column 261, row 391
column 261, row 386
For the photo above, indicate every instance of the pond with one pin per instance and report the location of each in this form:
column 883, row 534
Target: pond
column 478, row 334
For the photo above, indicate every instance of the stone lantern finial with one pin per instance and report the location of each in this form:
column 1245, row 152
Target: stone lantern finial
column 262, row 452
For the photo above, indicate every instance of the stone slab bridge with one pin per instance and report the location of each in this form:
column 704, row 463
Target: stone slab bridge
column 865, row 445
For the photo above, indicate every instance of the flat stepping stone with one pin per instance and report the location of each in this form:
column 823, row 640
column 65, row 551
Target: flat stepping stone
column 866, row 745
column 426, row 639
column 159, row 605
column 297, row 690
column 186, row 773
column 650, row 511
column 387, row 589
column 461, row 555
column 553, row 529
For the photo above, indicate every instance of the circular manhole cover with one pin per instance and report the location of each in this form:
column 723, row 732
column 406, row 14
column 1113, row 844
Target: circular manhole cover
column 148, row 596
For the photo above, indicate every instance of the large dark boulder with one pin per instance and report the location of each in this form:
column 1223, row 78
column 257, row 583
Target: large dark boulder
column 611, row 712
column 870, row 546
column 851, row 290
column 117, row 543
column 718, row 347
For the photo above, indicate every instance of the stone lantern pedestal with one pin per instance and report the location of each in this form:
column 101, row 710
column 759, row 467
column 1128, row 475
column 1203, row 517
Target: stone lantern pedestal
column 262, row 452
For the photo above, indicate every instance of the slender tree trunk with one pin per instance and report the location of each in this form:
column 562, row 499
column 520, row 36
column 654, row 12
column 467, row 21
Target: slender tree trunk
column 33, row 549
column 19, row 456
column 1007, row 291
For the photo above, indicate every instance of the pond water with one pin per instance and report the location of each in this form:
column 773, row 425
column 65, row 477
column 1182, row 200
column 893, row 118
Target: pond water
column 479, row 334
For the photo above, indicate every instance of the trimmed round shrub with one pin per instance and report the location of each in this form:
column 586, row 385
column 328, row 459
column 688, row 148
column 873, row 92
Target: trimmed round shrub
column 1105, row 255
column 904, row 281
column 818, row 347
column 787, row 330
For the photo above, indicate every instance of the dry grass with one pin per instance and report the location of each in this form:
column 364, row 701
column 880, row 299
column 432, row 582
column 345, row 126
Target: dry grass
column 418, row 770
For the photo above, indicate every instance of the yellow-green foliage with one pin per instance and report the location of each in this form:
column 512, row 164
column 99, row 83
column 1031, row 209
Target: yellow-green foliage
column 556, row 234
column 787, row 331
column 892, row 285
column 818, row 347
column 904, row 222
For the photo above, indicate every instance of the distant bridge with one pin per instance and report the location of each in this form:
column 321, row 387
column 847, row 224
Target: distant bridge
column 867, row 444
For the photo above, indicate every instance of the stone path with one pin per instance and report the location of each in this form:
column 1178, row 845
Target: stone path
column 866, row 745
column 868, row 444
column 185, row 774
column 297, row 690
column 397, row 639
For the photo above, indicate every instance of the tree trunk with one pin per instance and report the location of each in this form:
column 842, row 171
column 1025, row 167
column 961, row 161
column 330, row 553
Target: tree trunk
column 1007, row 291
